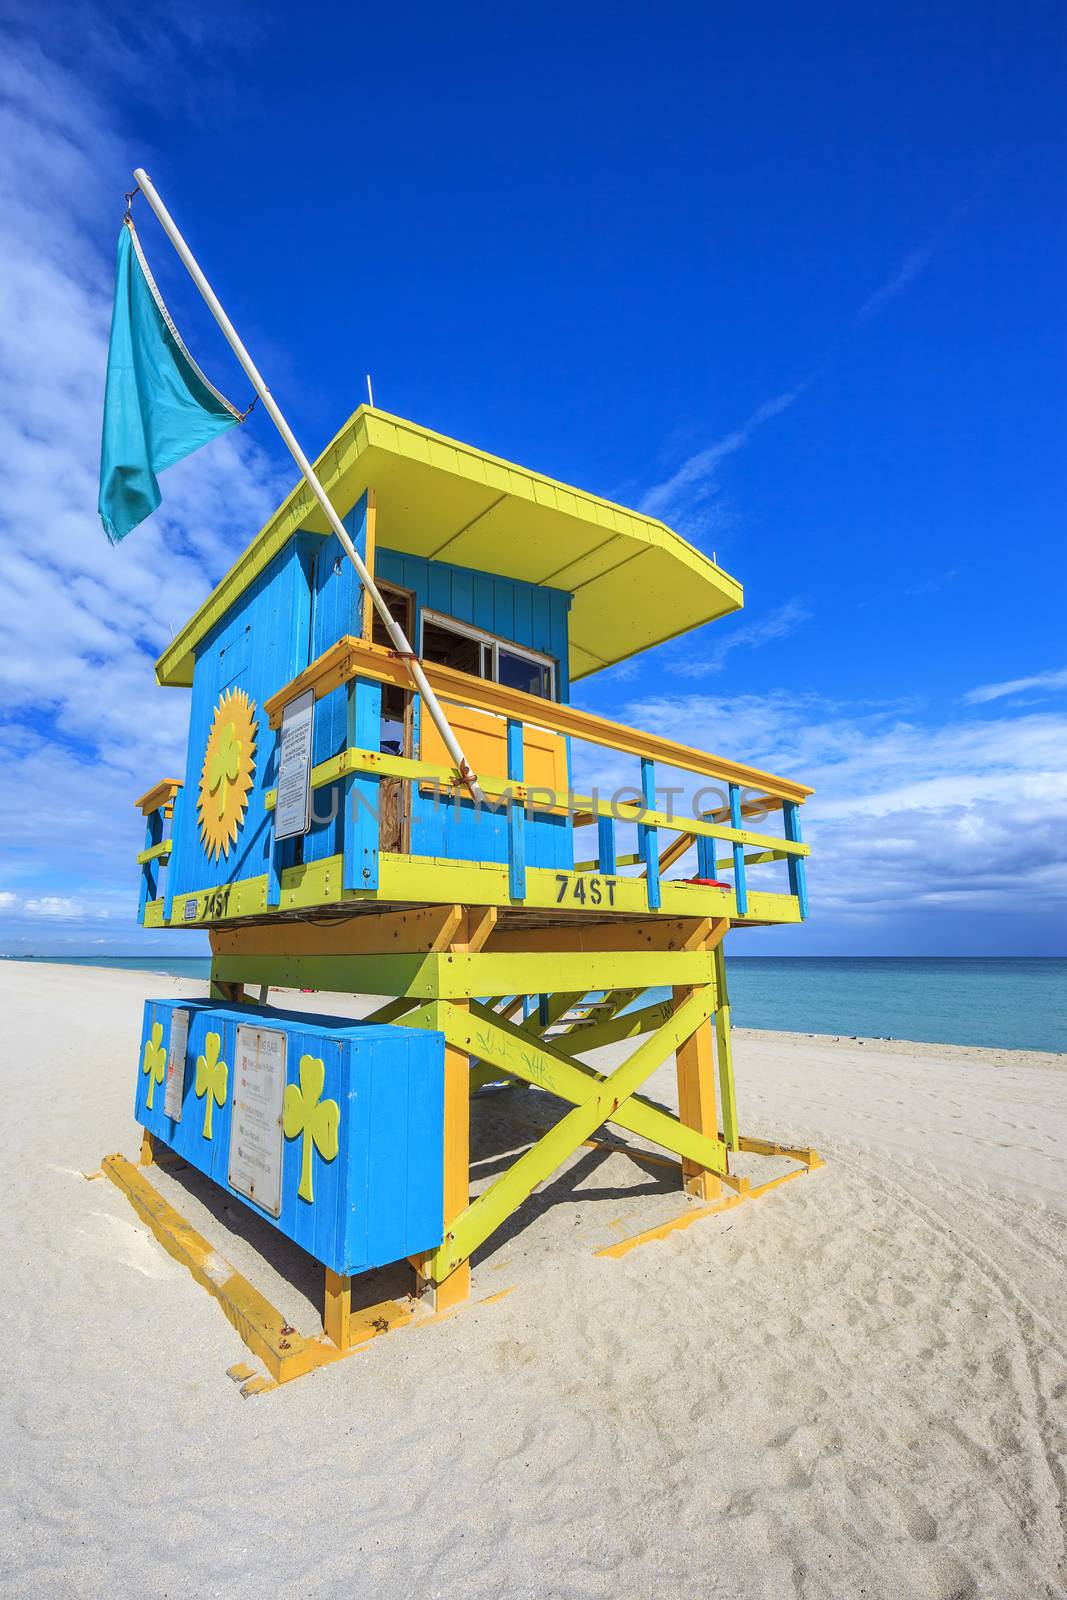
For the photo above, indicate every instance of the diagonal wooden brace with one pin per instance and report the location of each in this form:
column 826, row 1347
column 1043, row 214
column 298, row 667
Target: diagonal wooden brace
column 613, row 1027
column 547, row 1068
column 596, row 1100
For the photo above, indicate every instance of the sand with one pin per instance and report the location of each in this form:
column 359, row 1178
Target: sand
column 852, row 1387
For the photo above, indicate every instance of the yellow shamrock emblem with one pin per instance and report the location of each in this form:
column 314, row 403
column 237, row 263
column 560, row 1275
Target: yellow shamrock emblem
column 224, row 765
column 211, row 1077
column 304, row 1111
column 155, row 1060
column 227, row 773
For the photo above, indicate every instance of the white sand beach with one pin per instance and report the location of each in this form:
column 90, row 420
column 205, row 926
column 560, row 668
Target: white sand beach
column 854, row 1386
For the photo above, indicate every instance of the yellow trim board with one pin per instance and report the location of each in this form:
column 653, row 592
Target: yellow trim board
column 635, row 582
column 415, row 880
column 284, row 1352
column 744, row 1191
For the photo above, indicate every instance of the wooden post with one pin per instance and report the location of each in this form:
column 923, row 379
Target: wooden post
column 798, row 878
column 233, row 994
column 696, row 1101
column 368, row 561
column 337, row 1309
column 361, row 789
column 696, row 1081
column 168, row 892
column 706, row 867
column 277, row 846
column 740, row 885
column 648, row 837
column 477, row 925
column 516, row 815
column 724, row 1051
column 153, row 835
column 607, row 853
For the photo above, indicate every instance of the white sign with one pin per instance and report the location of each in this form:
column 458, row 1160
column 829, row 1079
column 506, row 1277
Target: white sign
column 292, row 809
column 175, row 1089
column 256, row 1125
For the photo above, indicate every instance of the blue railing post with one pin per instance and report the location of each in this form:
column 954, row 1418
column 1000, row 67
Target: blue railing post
column 153, row 835
column 360, row 789
column 648, row 837
column 706, row 867
column 740, row 886
column 607, row 854
column 175, row 818
column 516, row 816
column 276, row 848
column 798, row 876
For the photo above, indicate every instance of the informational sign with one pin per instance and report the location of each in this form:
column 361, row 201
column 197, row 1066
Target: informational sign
column 174, row 1091
column 292, row 811
column 255, row 1166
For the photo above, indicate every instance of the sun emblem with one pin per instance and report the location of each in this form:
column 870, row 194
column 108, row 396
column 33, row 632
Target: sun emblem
column 226, row 776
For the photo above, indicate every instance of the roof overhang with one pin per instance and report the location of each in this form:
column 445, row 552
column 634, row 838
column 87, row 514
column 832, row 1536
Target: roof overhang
column 635, row 583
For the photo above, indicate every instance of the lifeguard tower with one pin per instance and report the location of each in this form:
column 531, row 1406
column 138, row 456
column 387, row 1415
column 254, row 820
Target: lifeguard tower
column 322, row 837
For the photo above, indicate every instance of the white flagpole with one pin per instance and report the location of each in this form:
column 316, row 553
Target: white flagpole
column 393, row 628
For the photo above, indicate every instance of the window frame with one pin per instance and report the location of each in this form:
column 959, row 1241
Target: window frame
column 491, row 642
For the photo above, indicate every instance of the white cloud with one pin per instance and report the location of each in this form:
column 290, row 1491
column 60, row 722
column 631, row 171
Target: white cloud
column 918, row 259
column 700, row 660
column 906, row 816
column 8, row 900
column 914, row 264
column 680, row 496
column 85, row 727
column 685, row 494
column 53, row 905
column 1038, row 683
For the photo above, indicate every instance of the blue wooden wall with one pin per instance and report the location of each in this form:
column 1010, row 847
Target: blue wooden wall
column 259, row 644
column 303, row 602
column 522, row 612
column 381, row 1197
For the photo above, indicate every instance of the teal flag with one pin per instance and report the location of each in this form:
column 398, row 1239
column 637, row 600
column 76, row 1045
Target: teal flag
column 158, row 406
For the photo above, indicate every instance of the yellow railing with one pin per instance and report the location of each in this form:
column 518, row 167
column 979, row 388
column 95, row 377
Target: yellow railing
column 157, row 808
column 751, row 791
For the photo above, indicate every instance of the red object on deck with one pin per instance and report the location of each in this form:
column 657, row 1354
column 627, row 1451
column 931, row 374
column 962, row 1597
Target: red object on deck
column 708, row 883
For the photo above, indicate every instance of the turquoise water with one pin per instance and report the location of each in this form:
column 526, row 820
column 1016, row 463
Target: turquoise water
column 172, row 967
column 1017, row 1004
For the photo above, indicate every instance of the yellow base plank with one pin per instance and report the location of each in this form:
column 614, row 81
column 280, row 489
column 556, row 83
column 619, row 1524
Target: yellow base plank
column 285, row 1353
column 743, row 1190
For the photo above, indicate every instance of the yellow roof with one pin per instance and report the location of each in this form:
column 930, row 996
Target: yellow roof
column 634, row 582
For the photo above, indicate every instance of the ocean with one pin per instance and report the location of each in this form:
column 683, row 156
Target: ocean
column 1014, row 1003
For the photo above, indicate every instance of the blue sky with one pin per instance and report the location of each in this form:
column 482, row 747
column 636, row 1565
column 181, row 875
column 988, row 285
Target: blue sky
column 793, row 281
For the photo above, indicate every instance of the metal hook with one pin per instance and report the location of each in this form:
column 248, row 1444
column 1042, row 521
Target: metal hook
column 130, row 193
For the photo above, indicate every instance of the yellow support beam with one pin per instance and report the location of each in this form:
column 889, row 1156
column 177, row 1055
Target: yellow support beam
column 351, row 658
column 724, row 1052
column 428, row 880
column 603, row 1099
column 459, row 975
column 505, row 1047
column 157, row 852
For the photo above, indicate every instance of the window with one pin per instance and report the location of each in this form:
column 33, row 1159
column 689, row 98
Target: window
column 448, row 646
column 521, row 671
column 449, row 643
